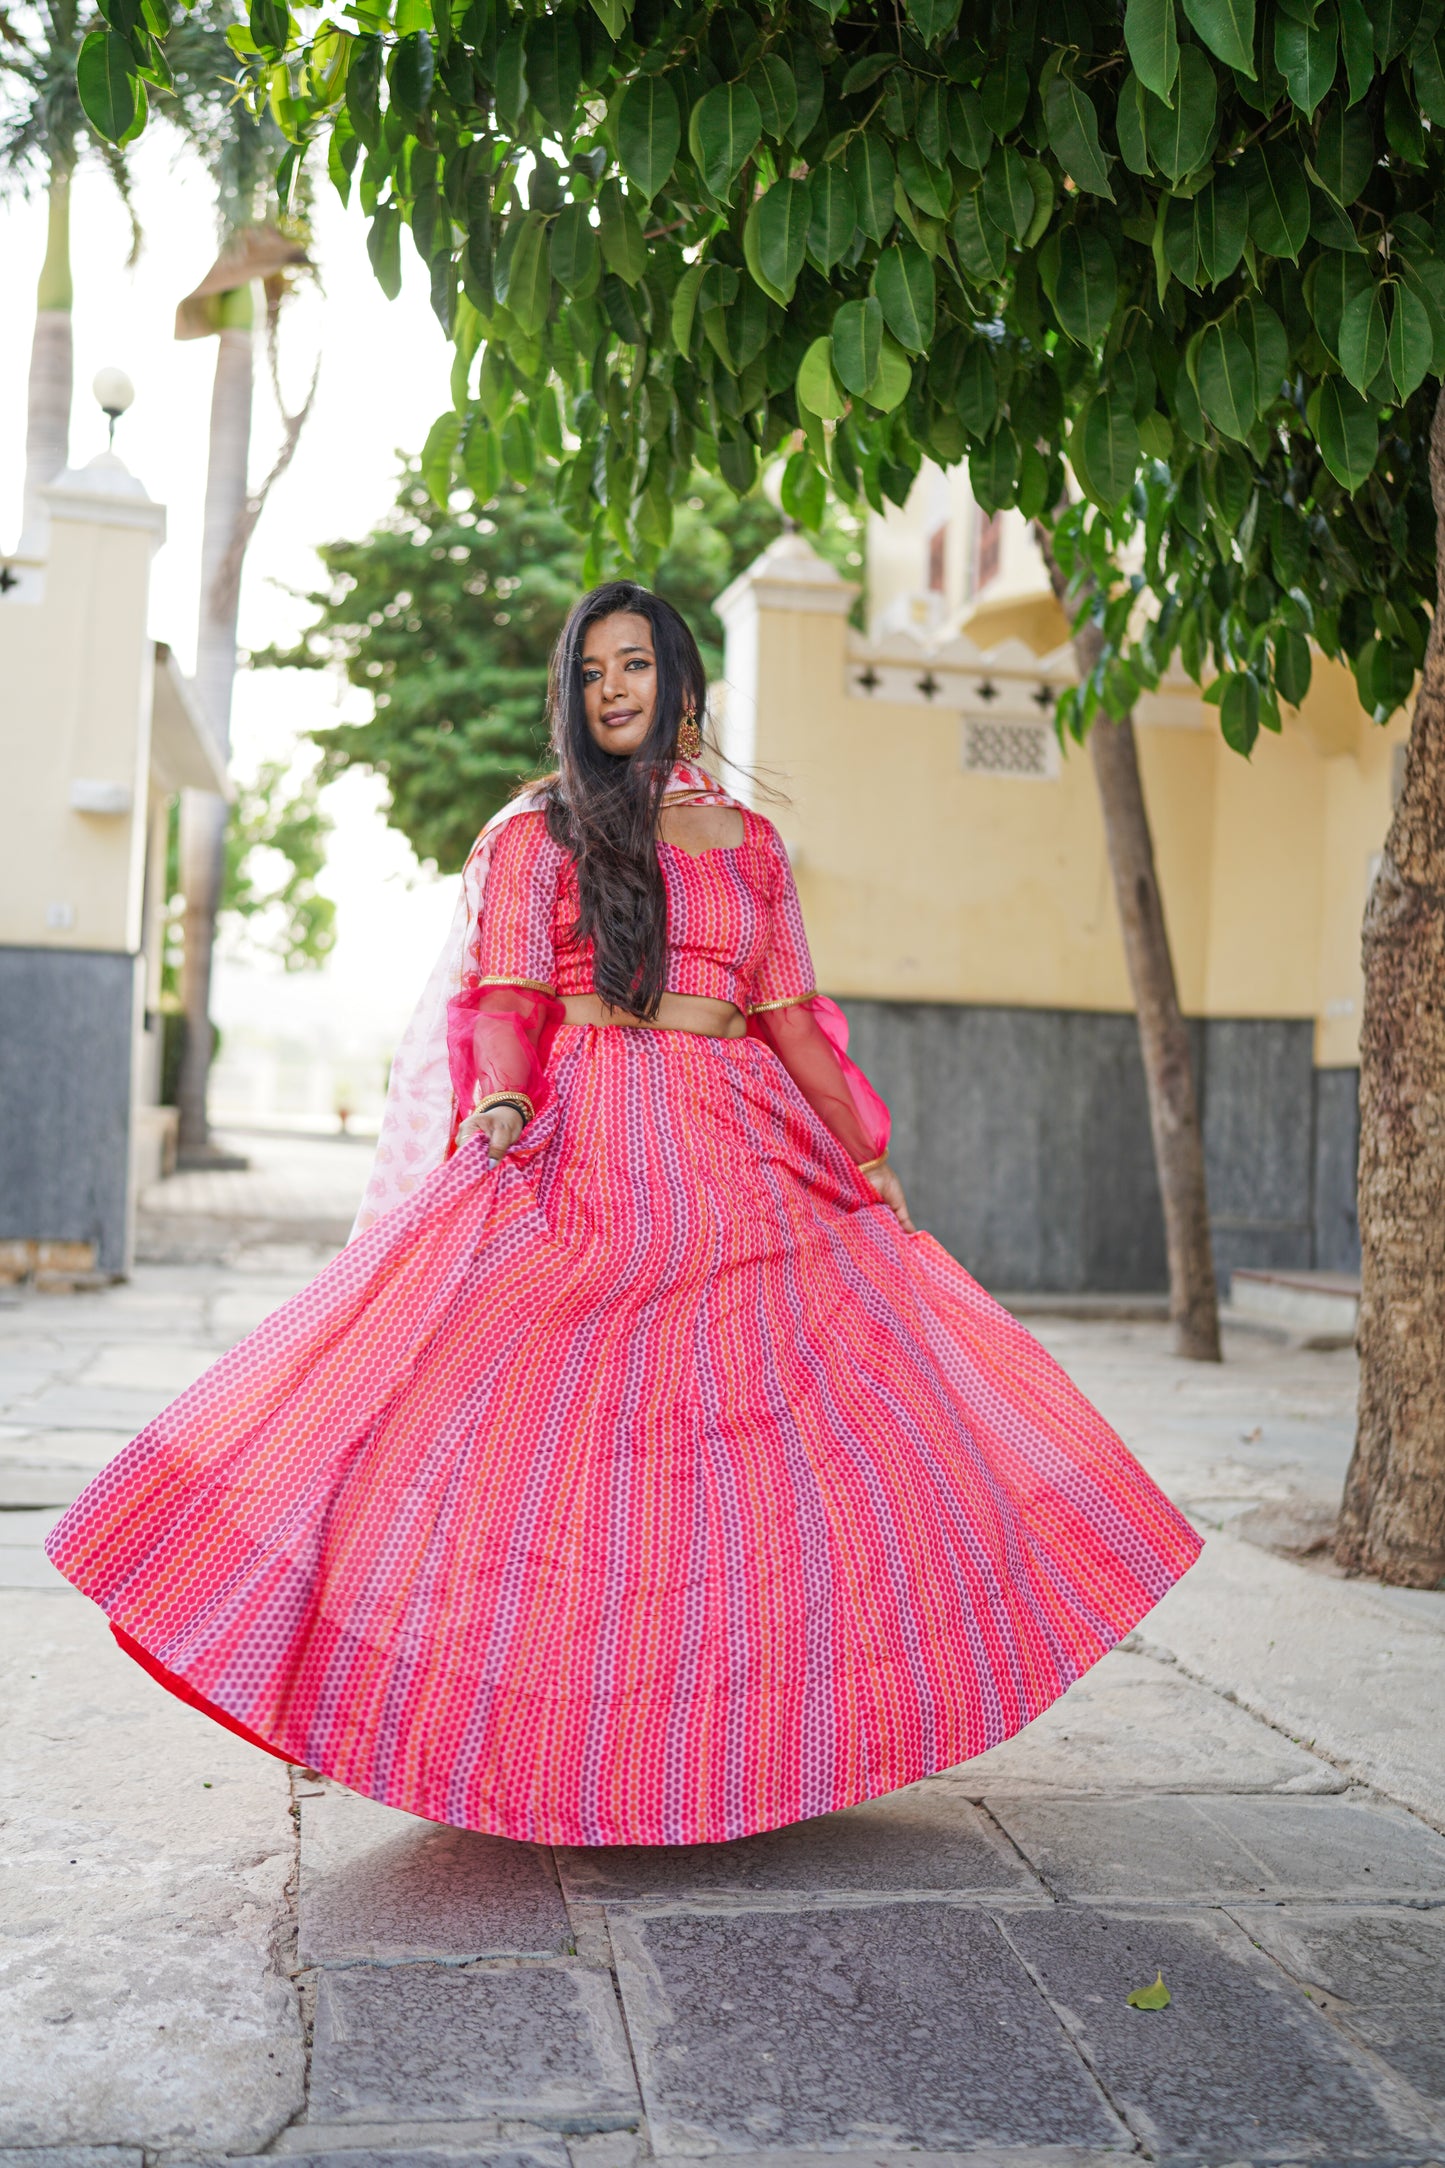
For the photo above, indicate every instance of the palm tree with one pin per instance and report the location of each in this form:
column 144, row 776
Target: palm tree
column 241, row 152
column 43, row 136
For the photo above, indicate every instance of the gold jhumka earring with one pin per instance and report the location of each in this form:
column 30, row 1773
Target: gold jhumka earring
column 689, row 736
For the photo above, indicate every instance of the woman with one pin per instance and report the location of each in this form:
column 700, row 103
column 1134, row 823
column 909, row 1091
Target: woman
column 637, row 1474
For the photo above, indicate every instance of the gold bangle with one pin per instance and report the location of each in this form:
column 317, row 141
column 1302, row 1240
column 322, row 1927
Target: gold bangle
column 788, row 1001
column 535, row 986
column 866, row 1166
column 517, row 1100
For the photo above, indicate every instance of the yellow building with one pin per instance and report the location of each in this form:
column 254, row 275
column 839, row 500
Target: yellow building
column 952, row 869
column 98, row 730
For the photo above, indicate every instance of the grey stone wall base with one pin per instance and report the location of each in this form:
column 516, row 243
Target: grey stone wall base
column 1022, row 1137
column 66, row 1024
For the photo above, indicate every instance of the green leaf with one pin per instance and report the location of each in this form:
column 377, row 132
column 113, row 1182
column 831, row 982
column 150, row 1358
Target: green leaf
column 1179, row 137
column 649, row 132
column 932, row 18
column 519, row 446
column 1346, row 431
column 1129, row 125
column 976, row 392
column 1224, row 376
column 105, row 82
column 904, row 283
column 529, row 280
column 554, row 71
column 930, row 126
column 1429, row 74
column 858, row 344
column 1392, row 22
column 684, row 306
column 1221, row 223
column 818, row 388
column 870, row 175
column 772, row 83
column 832, row 216
column 1427, row 280
column 1105, row 448
column 993, row 469
column 1227, row 28
column 737, row 460
column 412, row 72
column 752, row 257
column 968, row 132
column 1279, row 201
column 1333, row 282
column 1042, row 183
column 437, row 455
column 1008, row 197
column 931, row 190
column 1006, row 87
column 1293, row 665
column 574, row 249
column 1345, row 152
column 510, row 94
column 612, row 14
column 724, row 131
column 620, row 234
column 1357, row 43
column 804, row 494
column 783, row 215
column 1239, row 722
column 1362, row 338
column 1268, row 343
column 383, row 246
column 1073, row 127
column 1086, row 285
column 1411, row 341
column 890, row 387
column 982, row 249
column 363, row 88
column 1153, row 42
column 482, row 460
column 1307, row 56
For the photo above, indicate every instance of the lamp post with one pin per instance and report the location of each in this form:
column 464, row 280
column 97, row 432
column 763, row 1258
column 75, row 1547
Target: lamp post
column 115, row 393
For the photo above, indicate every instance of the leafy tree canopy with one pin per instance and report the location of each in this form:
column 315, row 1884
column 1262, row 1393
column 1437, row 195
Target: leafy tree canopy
column 1190, row 243
column 447, row 614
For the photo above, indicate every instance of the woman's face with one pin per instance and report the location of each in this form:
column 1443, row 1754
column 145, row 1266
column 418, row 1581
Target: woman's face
column 619, row 681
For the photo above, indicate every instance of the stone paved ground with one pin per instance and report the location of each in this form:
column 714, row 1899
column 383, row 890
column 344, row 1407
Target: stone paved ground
column 204, row 1956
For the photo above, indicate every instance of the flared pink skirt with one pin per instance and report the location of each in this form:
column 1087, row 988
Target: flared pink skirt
column 650, row 1487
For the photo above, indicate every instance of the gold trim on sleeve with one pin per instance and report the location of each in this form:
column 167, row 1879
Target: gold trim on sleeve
column 537, row 986
column 789, row 1001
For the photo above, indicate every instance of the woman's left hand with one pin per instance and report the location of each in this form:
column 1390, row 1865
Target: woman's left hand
column 886, row 1186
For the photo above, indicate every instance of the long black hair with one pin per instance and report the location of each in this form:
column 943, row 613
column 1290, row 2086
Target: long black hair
column 603, row 807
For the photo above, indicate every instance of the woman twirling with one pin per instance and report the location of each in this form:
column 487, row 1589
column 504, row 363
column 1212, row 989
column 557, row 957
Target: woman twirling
column 637, row 1474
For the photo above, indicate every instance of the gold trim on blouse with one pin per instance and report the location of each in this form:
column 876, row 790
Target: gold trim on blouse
column 537, row 986
column 788, row 1001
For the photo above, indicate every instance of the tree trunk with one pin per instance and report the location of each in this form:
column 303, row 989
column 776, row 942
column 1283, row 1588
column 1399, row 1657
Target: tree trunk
column 203, row 815
column 1392, row 1522
column 1163, row 1039
column 47, row 420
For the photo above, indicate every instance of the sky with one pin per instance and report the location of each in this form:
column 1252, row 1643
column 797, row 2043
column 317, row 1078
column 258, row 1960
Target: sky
column 384, row 369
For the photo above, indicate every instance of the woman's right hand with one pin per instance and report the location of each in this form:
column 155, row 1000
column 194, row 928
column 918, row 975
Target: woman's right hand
column 500, row 1125
column 887, row 1188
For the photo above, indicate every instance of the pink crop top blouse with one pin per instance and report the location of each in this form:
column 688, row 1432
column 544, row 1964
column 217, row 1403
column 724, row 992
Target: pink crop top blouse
column 734, row 928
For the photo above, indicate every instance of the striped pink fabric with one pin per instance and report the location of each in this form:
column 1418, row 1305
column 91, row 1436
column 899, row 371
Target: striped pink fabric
column 649, row 1487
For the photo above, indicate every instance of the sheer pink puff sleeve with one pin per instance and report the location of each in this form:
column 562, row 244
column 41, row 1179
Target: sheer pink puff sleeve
column 500, row 1027
column 809, row 1033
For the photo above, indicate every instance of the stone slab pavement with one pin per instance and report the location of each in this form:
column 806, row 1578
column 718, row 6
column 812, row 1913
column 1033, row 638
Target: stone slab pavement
column 205, row 1956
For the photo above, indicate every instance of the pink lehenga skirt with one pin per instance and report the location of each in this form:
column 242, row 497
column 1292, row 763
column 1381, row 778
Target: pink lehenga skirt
column 648, row 1487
